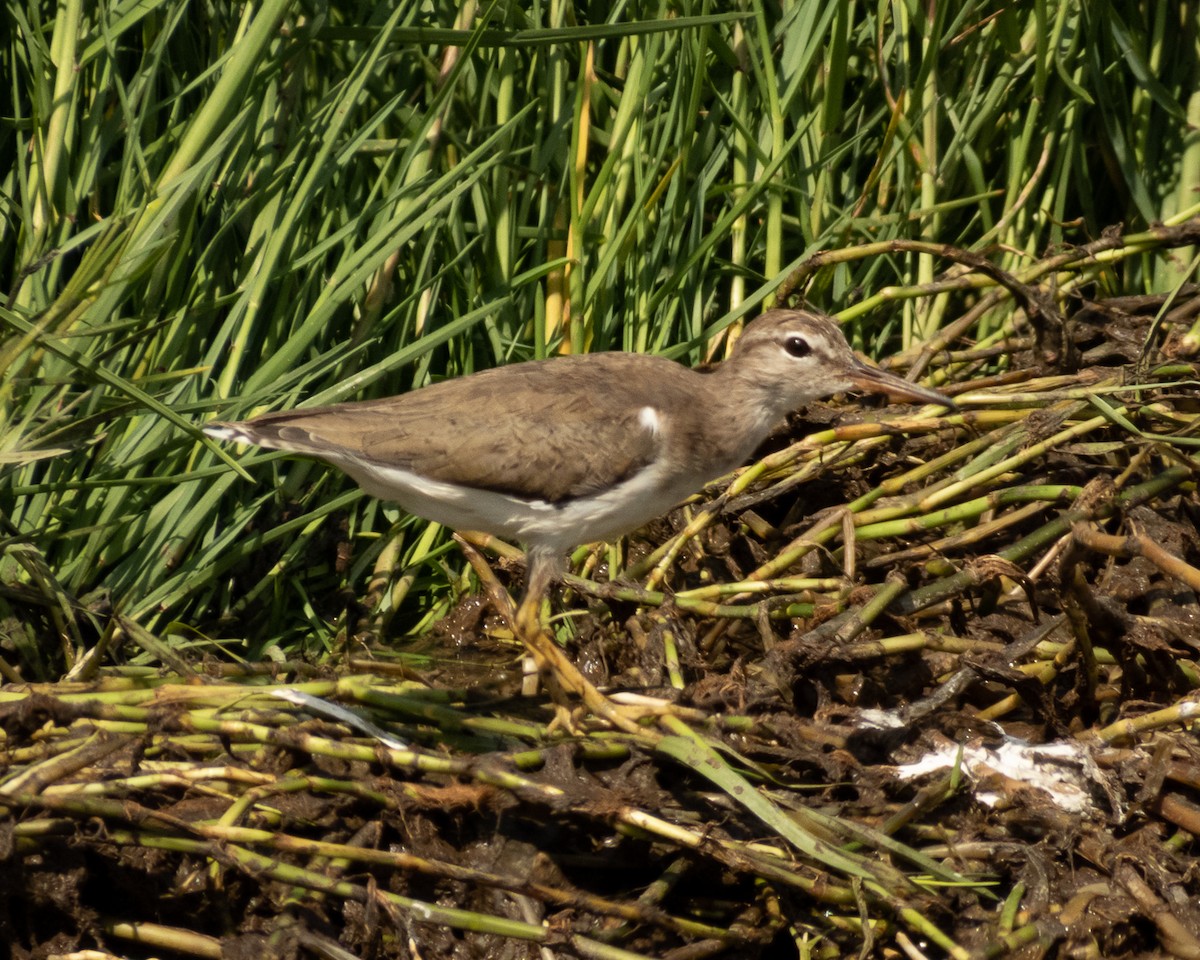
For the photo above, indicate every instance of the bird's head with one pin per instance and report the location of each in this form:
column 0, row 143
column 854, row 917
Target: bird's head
column 797, row 356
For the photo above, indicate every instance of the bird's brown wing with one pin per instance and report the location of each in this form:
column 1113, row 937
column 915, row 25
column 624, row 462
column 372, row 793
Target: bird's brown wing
column 554, row 430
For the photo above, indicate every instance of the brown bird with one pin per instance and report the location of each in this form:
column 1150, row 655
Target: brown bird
column 575, row 449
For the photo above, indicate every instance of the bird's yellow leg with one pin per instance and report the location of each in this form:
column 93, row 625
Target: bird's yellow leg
column 564, row 676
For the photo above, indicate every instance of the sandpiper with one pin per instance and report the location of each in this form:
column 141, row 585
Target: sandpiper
column 575, row 449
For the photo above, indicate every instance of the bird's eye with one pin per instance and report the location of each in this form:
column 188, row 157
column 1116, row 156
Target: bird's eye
column 797, row 346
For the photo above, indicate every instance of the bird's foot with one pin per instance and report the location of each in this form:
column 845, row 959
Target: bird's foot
column 627, row 717
column 564, row 680
column 566, row 720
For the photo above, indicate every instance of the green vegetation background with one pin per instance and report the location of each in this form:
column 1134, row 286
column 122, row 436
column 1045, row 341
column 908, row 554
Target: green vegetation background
column 216, row 208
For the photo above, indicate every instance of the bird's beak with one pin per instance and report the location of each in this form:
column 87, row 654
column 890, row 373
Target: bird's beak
column 873, row 380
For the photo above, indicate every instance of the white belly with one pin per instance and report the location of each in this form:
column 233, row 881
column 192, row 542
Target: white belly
column 605, row 516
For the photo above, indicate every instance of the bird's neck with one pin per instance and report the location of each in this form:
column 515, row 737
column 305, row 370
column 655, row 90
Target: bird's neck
column 742, row 393
column 742, row 411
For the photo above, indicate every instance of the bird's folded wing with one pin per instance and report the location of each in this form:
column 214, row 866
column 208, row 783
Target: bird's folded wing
column 502, row 430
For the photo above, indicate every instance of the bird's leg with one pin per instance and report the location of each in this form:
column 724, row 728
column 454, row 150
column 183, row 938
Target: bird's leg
column 564, row 675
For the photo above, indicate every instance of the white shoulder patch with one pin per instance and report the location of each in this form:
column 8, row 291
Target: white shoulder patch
column 649, row 418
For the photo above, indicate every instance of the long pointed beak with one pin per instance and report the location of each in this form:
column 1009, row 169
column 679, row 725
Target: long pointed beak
column 873, row 380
